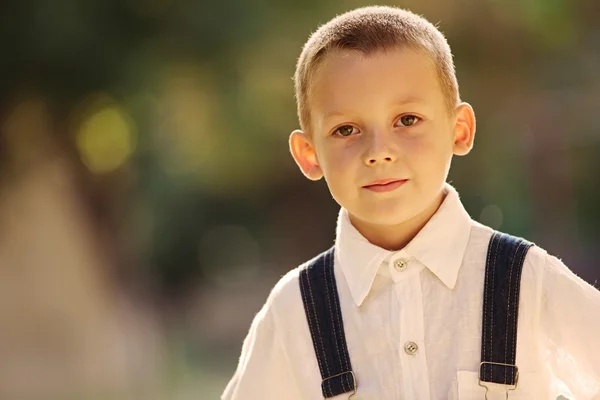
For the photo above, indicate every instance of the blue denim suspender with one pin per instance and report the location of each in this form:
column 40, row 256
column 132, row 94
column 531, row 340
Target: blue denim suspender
column 324, row 316
column 504, row 265
column 505, row 258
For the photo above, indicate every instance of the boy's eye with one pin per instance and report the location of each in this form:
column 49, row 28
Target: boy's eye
column 409, row 120
column 345, row 130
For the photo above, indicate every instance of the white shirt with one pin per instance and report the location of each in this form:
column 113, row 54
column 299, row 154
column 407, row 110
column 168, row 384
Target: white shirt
column 436, row 302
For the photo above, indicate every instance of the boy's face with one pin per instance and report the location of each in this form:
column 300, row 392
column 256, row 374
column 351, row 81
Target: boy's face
column 377, row 119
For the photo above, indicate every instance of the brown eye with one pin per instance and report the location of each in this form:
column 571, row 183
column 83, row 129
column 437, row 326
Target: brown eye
column 345, row 130
column 409, row 120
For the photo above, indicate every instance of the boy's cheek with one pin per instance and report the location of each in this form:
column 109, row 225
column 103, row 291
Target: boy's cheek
column 346, row 155
column 338, row 168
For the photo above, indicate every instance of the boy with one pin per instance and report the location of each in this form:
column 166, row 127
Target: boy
column 415, row 300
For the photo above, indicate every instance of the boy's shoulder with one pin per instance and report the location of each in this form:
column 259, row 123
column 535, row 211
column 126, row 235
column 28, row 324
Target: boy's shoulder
column 285, row 298
column 537, row 257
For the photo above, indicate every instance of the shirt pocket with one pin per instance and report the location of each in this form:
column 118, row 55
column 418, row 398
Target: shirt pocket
column 468, row 388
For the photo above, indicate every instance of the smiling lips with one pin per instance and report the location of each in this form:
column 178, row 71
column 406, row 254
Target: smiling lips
column 385, row 185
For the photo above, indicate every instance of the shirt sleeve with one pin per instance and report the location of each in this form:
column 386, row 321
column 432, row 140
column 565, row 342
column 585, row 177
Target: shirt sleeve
column 570, row 325
column 263, row 371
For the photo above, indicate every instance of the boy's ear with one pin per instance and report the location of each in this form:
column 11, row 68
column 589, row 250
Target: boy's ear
column 305, row 156
column 464, row 129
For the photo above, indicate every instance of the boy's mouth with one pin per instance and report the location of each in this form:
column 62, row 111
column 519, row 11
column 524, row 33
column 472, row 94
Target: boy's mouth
column 385, row 185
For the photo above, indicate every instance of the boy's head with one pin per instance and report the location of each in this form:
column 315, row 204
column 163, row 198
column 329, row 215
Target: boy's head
column 366, row 31
column 378, row 100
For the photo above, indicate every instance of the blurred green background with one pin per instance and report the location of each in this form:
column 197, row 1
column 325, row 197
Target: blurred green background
column 148, row 201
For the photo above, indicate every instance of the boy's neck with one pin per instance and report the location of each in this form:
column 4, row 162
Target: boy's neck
column 396, row 237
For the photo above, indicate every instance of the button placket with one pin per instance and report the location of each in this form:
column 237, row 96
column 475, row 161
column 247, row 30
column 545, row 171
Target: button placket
column 413, row 359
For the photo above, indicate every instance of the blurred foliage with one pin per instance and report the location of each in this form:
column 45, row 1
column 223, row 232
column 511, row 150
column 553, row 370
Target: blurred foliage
column 176, row 114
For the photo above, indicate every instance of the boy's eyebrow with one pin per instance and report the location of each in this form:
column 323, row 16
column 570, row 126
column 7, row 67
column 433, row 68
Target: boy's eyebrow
column 400, row 102
column 409, row 100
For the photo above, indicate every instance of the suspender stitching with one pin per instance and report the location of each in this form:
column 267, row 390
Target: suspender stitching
column 506, row 255
column 305, row 275
column 492, row 305
column 320, row 335
column 326, row 266
column 521, row 261
column 313, row 312
column 342, row 334
column 510, row 285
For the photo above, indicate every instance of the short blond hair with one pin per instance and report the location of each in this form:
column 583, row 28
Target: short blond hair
column 371, row 29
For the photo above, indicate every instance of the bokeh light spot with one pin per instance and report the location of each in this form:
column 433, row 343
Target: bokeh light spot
column 106, row 139
column 492, row 216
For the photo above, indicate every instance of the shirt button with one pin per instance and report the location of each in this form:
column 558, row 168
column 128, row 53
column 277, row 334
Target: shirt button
column 400, row 265
column 411, row 348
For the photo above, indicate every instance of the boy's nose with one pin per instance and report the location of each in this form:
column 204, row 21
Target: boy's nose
column 379, row 152
column 378, row 160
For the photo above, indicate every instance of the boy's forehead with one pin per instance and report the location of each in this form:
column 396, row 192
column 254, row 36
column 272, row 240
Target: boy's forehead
column 400, row 63
column 345, row 75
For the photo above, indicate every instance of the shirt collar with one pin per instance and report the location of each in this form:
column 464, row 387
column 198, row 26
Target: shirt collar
column 439, row 246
